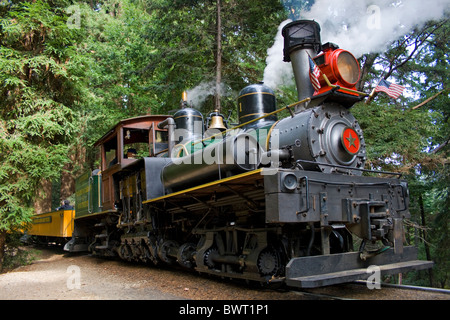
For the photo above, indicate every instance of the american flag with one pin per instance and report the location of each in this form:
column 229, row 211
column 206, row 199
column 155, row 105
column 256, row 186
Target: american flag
column 314, row 73
column 392, row 89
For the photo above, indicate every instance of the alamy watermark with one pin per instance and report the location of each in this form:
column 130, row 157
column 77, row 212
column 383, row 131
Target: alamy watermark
column 74, row 19
column 374, row 20
column 74, row 279
column 246, row 148
column 374, row 280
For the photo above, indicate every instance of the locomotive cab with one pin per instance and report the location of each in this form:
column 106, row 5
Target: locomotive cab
column 100, row 194
column 128, row 141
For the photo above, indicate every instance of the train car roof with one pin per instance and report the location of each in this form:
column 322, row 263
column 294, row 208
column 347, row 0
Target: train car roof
column 141, row 122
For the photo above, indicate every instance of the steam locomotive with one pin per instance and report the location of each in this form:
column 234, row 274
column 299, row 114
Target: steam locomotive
column 268, row 200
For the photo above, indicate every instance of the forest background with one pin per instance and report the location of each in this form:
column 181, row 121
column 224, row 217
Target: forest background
column 70, row 70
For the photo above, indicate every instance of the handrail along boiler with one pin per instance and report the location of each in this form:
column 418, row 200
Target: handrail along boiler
column 270, row 200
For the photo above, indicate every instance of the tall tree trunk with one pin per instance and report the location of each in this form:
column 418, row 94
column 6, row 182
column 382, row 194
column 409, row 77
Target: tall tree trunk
column 72, row 169
column 425, row 237
column 218, row 57
column 367, row 66
column 43, row 200
column 2, row 247
column 67, row 181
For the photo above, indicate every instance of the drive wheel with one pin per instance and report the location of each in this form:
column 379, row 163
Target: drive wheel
column 209, row 256
column 269, row 262
column 185, row 255
column 164, row 249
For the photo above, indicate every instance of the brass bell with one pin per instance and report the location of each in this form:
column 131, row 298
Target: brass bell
column 216, row 121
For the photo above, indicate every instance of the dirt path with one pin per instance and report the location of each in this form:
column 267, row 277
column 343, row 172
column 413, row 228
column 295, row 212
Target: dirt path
column 60, row 276
column 57, row 276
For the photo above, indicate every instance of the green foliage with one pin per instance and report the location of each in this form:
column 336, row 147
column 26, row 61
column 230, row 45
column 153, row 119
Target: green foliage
column 63, row 87
column 15, row 254
column 144, row 54
column 40, row 93
column 184, row 37
column 396, row 137
column 408, row 136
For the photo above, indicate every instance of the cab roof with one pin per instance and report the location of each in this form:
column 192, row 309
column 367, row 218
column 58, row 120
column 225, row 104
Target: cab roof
column 141, row 122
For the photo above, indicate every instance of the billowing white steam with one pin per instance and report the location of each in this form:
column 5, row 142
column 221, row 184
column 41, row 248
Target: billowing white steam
column 363, row 26
column 277, row 72
column 366, row 26
column 197, row 95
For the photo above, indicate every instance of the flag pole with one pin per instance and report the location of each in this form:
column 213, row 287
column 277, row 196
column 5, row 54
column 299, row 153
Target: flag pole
column 370, row 98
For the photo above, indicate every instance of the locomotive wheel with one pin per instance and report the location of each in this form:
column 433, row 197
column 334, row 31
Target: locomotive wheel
column 153, row 253
column 209, row 256
column 185, row 255
column 137, row 252
column 146, row 255
column 125, row 252
column 269, row 262
column 163, row 251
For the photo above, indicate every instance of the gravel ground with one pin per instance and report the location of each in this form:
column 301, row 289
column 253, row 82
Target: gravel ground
column 54, row 275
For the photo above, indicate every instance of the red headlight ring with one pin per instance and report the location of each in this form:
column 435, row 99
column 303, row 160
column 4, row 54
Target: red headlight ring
column 345, row 67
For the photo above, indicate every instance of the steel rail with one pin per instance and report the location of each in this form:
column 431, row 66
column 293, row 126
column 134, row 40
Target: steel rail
column 408, row 287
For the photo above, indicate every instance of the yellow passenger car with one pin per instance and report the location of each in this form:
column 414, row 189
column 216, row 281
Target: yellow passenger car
column 57, row 225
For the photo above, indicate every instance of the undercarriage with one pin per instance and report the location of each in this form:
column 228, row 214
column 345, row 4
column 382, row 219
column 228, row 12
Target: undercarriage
column 257, row 227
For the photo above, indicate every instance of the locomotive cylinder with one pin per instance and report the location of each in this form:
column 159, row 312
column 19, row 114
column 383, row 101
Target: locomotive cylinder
column 221, row 158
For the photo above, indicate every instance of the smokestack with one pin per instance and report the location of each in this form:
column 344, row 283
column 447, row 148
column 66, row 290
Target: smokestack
column 301, row 39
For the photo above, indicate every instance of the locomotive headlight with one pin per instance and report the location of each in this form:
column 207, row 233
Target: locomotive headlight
column 347, row 68
column 339, row 65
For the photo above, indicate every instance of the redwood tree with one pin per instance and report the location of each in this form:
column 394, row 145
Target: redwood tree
column 40, row 76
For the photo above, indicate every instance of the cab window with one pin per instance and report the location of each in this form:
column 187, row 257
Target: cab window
column 110, row 152
column 135, row 143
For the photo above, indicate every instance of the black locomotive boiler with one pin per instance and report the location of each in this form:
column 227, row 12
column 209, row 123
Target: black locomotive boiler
column 269, row 200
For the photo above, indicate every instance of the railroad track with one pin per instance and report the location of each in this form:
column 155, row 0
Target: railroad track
column 319, row 296
column 358, row 290
column 408, row 287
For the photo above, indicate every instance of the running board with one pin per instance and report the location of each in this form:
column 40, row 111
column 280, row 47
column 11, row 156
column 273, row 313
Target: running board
column 325, row 270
